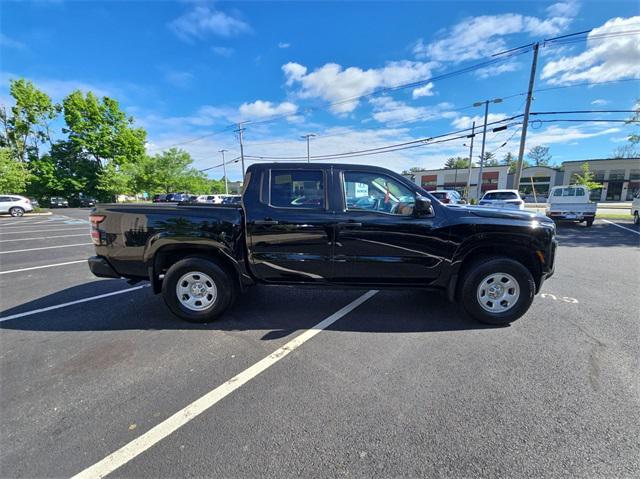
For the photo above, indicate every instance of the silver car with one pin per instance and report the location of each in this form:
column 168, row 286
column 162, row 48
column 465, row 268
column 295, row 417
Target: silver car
column 15, row 205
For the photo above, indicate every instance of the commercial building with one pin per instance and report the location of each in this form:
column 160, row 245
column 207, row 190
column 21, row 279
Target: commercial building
column 493, row 177
column 620, row 178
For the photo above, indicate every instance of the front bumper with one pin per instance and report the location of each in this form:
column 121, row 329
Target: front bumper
column 101, row 268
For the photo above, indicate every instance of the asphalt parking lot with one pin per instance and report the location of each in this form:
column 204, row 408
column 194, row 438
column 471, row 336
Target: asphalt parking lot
column 400, row 385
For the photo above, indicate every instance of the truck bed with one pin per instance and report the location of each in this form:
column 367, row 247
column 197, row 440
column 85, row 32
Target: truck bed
column 131, row 234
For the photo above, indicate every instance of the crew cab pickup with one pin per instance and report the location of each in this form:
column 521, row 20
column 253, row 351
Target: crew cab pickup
column 571, row 203
column 326, row 225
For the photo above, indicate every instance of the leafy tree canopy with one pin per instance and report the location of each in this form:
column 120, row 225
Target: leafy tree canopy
column 13, row 174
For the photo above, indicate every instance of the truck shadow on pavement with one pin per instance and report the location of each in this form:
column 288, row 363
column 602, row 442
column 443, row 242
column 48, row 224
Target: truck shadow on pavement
column 599, row 235
column 278, row 311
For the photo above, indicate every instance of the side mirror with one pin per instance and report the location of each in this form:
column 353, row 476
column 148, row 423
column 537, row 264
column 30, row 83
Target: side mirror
column 422, row 206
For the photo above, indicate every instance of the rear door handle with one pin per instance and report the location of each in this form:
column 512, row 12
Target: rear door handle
column 265, row 222
column 347, row 224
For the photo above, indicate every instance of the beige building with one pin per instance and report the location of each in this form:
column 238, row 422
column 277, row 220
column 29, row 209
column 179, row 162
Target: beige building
column 620, row 178
column 493, row 177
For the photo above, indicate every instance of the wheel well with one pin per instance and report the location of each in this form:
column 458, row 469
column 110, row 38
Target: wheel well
column 522, row 255
column 166, row 257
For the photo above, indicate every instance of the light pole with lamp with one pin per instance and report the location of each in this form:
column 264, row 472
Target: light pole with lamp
column 484, row 138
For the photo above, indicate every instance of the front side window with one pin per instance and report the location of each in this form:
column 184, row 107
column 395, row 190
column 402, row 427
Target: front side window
column 297, row 189
column 379, row 193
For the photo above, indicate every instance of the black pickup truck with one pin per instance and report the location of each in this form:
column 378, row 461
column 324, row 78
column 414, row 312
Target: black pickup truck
column 327, row 225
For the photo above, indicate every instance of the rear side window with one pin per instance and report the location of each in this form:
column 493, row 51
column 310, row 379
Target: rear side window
column 297, row 189
column 4, row 199
column 501, row 195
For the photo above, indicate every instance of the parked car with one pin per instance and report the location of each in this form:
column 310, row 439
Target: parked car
column 451, row 197
column 159, row 198
column 34, row 202
column 571, row 203
column 203, row 256
column 635, row 208
column 15, row 205
column 177, row 197
column 502, row 199
column 82, row 202
column 58, row 202
column 233, row 200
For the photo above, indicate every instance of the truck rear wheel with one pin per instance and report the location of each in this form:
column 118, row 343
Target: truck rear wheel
column 497, row 291
column 197, row 290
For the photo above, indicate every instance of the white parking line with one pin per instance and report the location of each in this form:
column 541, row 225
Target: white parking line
column 43, row 231
column 45, row 237
column 71, row 303
column 623, row 227
column 45, row 247
column 42, row 267
column 136, row 447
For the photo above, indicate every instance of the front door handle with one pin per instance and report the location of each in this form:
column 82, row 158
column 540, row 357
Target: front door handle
column 265, row 222
column 347, row 224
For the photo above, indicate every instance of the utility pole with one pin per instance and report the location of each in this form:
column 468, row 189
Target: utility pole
column 307, row 136
column 484, row 139
column 525, row 121
column 240, row 130
column 473, row 135
column 224, row 169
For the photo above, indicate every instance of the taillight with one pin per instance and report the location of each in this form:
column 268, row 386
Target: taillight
column 95, row 233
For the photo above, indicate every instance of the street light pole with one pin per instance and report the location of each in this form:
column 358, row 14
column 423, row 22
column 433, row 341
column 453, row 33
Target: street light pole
column 484, row 139
column 307, row 136
column 224, row 169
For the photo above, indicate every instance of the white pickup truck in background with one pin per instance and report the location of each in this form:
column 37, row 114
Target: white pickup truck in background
column 571, row 203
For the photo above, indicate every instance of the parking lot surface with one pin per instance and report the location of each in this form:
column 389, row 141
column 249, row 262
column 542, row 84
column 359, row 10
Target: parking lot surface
column 400, row 385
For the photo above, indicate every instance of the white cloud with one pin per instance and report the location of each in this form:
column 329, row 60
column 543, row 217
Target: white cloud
column 600, row 102
column 388, row 110
column 426, row 90
column 559, row 134
column 479, row 37
column 499, row 69
column 223, row 51
column 467, row 121
column 7, row 42
column 178, row 79
column 262, row 109
column 334, row 83
column 202, row 21
column 284, row 45
column 604, row 59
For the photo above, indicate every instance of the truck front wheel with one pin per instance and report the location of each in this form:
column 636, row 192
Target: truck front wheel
column 497, row 291
column 197, row 290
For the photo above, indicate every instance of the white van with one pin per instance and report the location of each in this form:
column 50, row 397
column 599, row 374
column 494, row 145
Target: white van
column 571, row 203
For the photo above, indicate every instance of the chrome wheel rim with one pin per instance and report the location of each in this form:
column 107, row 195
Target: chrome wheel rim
column 196, row 291
column 498, row 292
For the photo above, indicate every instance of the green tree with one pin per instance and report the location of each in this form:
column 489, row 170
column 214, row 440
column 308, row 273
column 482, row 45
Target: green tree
column 586, row 178
column 539, row 155
column 26, row 125
column 457, row 163
column 14, row 174
column 511, row 161
column 101, row 129
column 490, row 159
column 114, row 180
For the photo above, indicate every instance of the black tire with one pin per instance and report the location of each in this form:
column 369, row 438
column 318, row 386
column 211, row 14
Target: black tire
column 636, row 218
column 16, row 211
column 589, row 222
column 481, row 270
column 224, row 287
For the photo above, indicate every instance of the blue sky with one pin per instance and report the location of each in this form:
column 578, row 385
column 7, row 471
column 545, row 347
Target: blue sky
column 189, row 69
